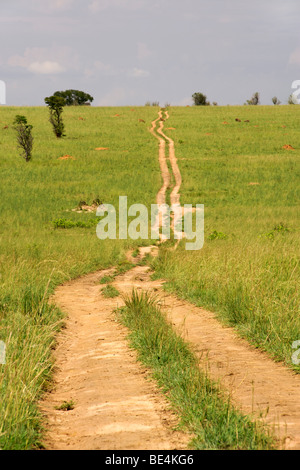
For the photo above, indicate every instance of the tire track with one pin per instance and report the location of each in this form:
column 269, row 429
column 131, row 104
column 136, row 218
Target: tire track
column 115, row 406
column 175, row 195
column 161, row 195
column 261, row 388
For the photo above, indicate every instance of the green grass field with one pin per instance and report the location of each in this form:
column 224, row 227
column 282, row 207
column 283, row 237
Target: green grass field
column 247, row 272
column 35, row 257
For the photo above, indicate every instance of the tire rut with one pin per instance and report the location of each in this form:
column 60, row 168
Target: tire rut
column 116, row 405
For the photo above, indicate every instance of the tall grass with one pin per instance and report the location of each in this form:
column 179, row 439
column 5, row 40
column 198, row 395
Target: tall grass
column 203, row 410
column 36, row 254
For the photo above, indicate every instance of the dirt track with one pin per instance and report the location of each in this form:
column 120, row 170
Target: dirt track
column 115, row 406
column 174, row 196
column 165, row 174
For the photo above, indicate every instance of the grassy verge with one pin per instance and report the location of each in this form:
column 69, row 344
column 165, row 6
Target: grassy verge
column 203, row 411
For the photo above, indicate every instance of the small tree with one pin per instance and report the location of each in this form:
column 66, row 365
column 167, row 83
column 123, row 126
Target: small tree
column 255, row 100
column 24, row 136
column 200, row 100
column 292, row 99
column 56, row 105
column 75, row 97
column 276, row 101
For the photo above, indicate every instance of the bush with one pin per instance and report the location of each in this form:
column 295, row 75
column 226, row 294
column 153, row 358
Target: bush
column 276, row 101
column 24, row 136
column 255, row 100
column 56, row 105
column 292, row 99
column 200, row 100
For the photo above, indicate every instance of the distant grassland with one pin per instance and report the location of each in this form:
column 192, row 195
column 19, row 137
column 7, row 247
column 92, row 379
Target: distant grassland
column 248, row 270
column 35, row 257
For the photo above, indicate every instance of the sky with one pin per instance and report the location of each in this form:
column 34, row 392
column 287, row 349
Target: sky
column 128, row 52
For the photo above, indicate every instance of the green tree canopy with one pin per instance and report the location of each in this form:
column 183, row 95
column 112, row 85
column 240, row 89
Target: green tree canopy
column 75, row 97
column 200, row 99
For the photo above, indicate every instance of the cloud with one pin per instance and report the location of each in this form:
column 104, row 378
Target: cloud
column 46, row 68
column 45, row 61
column 138, row 73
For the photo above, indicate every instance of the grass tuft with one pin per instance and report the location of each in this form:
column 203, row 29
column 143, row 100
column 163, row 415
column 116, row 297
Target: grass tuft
column 203, row 410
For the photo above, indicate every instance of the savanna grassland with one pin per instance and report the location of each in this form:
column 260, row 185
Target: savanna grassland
column 247, row 271
column 35, row 256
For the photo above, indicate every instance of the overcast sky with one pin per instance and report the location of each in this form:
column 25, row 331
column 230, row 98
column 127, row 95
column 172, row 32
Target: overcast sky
column 127, row 52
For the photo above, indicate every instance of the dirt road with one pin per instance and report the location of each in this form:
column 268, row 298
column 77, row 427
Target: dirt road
column 115, row 406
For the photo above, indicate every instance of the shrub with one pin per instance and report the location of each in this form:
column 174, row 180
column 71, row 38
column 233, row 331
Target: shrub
column 56, row 105
column 24, row 136
column 292, row 99
column 255, row 100
column 200, row 100
column 275, row 100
